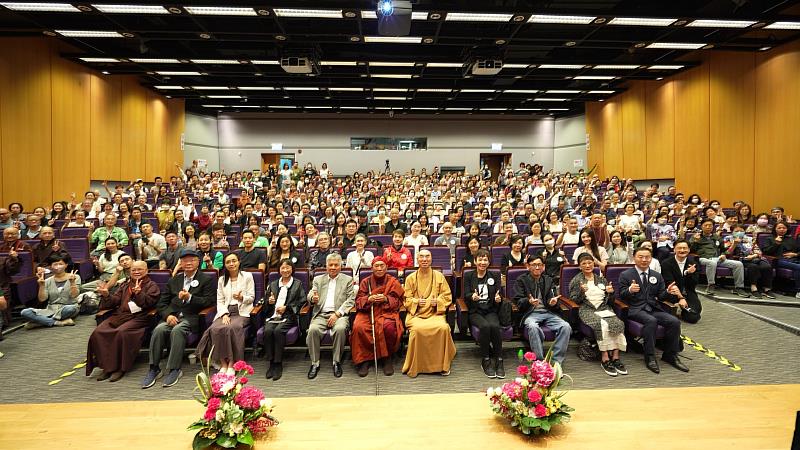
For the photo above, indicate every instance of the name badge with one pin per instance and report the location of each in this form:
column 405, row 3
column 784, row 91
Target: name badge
column 194, row 283
column 403, row 256
column 490, row 281
column 452, row 242
column 601, row 286
column 560, row 259
column 653, row 280
column 294, row 259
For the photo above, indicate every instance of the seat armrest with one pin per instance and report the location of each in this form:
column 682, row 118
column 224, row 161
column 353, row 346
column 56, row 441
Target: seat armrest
column 305, row 309
column 256, row 309
column 569, row 303
column 462, row 305
column 207, row 310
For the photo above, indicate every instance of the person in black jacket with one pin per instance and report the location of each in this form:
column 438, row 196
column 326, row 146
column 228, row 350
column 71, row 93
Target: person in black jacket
column 537, row 300
column 180, row 304
column 482, row 296
column 781, row 245
column 644, row 290
column 682, row 270
column 285, row 296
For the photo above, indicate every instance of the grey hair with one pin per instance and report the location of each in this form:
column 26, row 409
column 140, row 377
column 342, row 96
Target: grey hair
column 333, row 257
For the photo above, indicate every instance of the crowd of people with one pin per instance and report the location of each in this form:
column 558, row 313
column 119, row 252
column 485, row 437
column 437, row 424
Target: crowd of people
column 243, row 225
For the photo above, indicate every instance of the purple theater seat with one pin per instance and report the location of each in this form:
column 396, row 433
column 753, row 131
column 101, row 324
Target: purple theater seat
column 24, row 288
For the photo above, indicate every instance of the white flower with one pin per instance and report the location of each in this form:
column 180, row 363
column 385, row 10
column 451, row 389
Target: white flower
column 266, row 402
column 518, row 380
column 498, row 391
column 489, row 392
column 227, row 387
column 220, row 415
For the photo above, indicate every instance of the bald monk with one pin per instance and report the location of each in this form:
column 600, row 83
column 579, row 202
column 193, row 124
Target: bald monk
column 379, row 295
column 427, row 297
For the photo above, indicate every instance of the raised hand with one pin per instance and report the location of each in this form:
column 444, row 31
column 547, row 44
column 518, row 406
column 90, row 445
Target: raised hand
column 73, row 277
column 673, row 289
column 610, row 288
column 634, row 287
column 315, row 297
column 40, row 276
column 692, row 268
column 497, row 297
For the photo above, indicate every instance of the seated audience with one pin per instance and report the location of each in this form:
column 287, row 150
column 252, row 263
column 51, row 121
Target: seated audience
column 151, row 246
column 784, row 247
column 11, row 241
column 709, row 247
column 170, row 257
column 473, row 245
column 757, row 270
column 682, row 270
column 286, row 296
column 284, row 249
column 109, row 229
column 209, row 258
column 360, row 257
column 398, row 256
column 590, row 247
column 415, row 239
column 482, row 296
column 316, row 256
column 59, row 292
column 47, row 246
column 663, row 234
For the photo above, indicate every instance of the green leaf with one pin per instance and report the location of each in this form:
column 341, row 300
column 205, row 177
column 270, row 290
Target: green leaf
column 531, row 422
column 223, row 440
column 200, row 442
column 545, row 425
column 246, row 438
column 198, row 425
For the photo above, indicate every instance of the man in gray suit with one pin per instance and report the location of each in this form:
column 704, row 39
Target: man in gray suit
column 332, row 296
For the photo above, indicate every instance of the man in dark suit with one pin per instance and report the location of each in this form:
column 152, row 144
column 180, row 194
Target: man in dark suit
column 643, row 290
column 185, row 296
column 682, row 270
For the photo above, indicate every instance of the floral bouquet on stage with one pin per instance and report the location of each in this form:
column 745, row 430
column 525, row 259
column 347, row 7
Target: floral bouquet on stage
column 531, row 402
column 235, row 413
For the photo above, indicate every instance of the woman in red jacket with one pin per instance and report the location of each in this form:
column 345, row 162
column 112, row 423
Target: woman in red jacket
column 397, row 256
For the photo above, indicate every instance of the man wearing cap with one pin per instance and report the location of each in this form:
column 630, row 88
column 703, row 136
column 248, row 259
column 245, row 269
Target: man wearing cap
column 378, row 305
column 185, row 295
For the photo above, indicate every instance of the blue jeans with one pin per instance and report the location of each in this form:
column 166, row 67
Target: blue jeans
column 535, row 334
column 67, row 312
column 794, row 267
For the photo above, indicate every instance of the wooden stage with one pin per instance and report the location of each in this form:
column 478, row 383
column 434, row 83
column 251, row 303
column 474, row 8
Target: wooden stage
column 748, row 417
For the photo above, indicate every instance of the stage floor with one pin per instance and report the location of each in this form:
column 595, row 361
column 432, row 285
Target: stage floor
column 748, row 417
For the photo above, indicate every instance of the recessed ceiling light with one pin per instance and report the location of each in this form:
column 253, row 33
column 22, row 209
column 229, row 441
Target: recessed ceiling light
column 390, row 89
column 708, row 23
column 763, row 49
column 544, row 99
column 215, row 61
column 280, row 37
column 500, row 42
column 562, row 91
column 615, row 66
column 355, row 38
column 784, row 26
column 477, row 17
column 562, row 66
column 569, row 20
column 390, row 75
column 281, row 107
column 390, row 64
column 40, row 7
column 601, row 92
column 393, row 39
column 210, row 88
column 353, row 107
column 256, row 88
column 493, row 109
column 458, row 109
column 515, row 66
column 175, row 10
column 204, row 36
column 131, row 9
column 642, row 21
column 177, row 73
column 419, row 15
column 349, row 89
column 213, row 106
column 423, row 108
column 427, row 40
column 168, row 87
column 676, row 45
column 318, row 107
column 300, row 88
column 518, row 18
column 105, row 72
column 528, row 109
column 369, row 14
column 477, row 90
column 155, row 61
column 90, row 34
column 558, row 109
column 99, row 60
column 389, row 98
column 659, row 78
column 571, row 44
column 433, row 90
column 311, row 13
column 521, row 91
column 224, row 96
column 219, row 11
column 338, row 63
column 265, row 62
column 664, row 67
column 441, row 64
column 594, row 77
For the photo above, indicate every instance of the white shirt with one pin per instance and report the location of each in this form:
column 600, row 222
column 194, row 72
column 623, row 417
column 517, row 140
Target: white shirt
column 330, row 299
column 681, row 264
column 283, row 290
column 571, row 238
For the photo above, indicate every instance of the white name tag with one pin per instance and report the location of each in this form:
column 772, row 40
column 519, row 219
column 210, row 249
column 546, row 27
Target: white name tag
column 134, row 307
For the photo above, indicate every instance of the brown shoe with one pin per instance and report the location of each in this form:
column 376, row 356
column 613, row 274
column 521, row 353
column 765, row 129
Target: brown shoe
column 116, row 376
column 363, row 369
column 103, row 376
column 388, row 366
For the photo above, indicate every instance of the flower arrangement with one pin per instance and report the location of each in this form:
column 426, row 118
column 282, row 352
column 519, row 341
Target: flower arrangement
column 531, row 402
column 235, row 413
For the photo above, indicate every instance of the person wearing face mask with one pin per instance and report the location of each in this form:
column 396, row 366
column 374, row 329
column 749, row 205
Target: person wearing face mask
column 553, row 257
column 60, row 292
column 682, row 270
column 757, row 270
column 762, row 225
column 663, row 234
column 711, row 251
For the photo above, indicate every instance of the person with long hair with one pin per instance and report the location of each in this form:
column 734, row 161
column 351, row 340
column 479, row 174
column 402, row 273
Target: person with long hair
column 284, row 250
column 105, row 263
column 482, row 293
column 590, row 246
column 209, row 258
column 783, row 246
column 235, row 295
column 621, row 251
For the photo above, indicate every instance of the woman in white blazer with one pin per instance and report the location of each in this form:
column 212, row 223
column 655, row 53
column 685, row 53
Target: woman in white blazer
column 235, row 294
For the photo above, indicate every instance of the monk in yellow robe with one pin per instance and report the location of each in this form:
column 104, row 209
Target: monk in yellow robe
column 427, row 297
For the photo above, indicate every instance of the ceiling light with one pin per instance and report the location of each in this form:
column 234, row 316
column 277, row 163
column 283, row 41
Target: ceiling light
column 720, row 23
column 676, row 45
column 500, row 41
column 477, row 90
column 784, row 26
column 642, row 21
column 155, row 61
column 763, row 49
column 601, row 92
column 389, row 98
column 219, row 11
column 390, row 89
column 662, row 67
column 311, row 13
column 353, row 107
column 458, row 109
column 659, row 78
column 99, row 60
column 337, row 63
column 105, row 72
column 527, row 109
column 556, row 91
column 318, row 107
column 210, row 88
column 433, row 90
column 41, row 7
column 215, row 61
column 131, row 9
column 515, row 66
column 390, row 75
column 477, row 17
column 440, row 64
column 391, row 64
column 213, row 106
column 265, row 62
column 419, row 15
column 168, row 87
column 570, row 20
column 594, row 77
column 170, row 72
column 422, row 108
column 558, row 109
column 204, row 36
column 353, row 89
column 521, row 91
column 561, row 66
column 393, row 39
column 245, row 106
column 615, row 66
column 493, row 109
column 281, row 107
column 256, row 88
column 543, row 99
column 369, row 14
column 224, row 96
column 300, row 88
column 92, row 34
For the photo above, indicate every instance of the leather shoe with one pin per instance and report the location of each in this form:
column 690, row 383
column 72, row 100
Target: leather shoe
column 103, row 376
column 116, row 376
column 363, row 369
column 270, row 370
column 388, row 366
column 313, row 371
column 278, row 373
column 676, row 363
column 652, row 364
column 337, row 370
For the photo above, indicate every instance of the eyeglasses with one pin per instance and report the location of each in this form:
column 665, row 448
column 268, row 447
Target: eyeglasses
column 537, row 265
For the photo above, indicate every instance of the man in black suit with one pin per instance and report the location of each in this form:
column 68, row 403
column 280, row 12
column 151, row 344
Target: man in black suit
column 643, row 290
column 185, row 296
column 682, row 270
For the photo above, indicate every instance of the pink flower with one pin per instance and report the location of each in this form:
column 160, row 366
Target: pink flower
column 523, row 370
column 211, row 410
column 512, row 390
column 221, row 383
column 243, row 380
column 241, row 365
column 540, row 410
column 543, row 373
column 534, row 396
column 249, row 398
column 530, row 356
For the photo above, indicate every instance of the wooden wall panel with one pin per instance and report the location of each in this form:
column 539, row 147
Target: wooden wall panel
column 732, row 125
column 177, row 120
column 777, row 134
column 611, row 117
column 106, row 126
column 134, row 126
column 70, row 118
column 634, row 147
column 660, row 129
column 155, row 145
column 26, row 129
column 692, row 130
column 594, row 127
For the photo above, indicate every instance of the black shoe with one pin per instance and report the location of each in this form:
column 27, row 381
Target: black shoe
column 652, row 364
column 676, row 363
column 499, row 370
column 488, row 369
column 388, row 366
column 363, row 369
column 769, row 294
column 755, row 294
column 608, row 368
column 742, row 292
column 313, row 371
column 278, row 373
column 103, row 376
column 270, row 370
column 337, row 370
column 621, row 369
column 710, row 289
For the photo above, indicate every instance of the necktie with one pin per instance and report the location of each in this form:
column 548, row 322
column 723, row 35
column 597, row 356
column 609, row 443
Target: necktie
column 644, row 278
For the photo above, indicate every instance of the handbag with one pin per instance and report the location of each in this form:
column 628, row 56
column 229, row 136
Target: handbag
column 504, row 314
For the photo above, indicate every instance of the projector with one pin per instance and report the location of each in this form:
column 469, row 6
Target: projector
column 299, row 64
column 487, row 66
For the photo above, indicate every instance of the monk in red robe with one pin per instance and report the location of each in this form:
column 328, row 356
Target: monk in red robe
column 383, row 294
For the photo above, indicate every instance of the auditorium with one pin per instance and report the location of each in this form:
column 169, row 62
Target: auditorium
column 399, row 223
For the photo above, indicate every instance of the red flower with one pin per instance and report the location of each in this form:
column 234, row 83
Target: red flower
column 540, row 410
column 534, row 396
column 530, row 356
column 241, row 365
column 243, row 380
column 211, row 411
column 249, row 398
column 523, row 370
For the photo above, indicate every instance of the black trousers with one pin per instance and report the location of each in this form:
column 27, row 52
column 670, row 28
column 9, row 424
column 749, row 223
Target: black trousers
column 672, row 331
column 758, row 270
column 692, row 315
column 275, row 339
column 490, row 340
